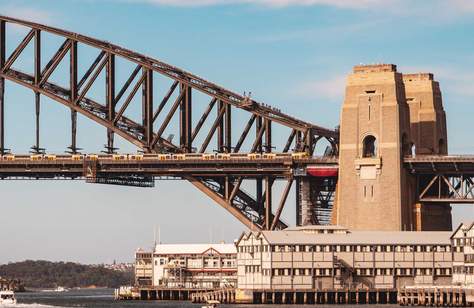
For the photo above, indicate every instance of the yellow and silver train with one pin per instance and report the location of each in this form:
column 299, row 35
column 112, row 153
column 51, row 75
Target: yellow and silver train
column 161, row 157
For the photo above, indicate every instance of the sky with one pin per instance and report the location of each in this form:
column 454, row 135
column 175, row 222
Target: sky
column 291, row 54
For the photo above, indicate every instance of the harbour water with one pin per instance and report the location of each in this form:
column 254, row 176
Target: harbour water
column 104, row 298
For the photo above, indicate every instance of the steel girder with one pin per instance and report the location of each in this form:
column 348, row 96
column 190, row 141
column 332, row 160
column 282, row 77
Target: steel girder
column 446, row 188
column 77, row 98
column 443, row 178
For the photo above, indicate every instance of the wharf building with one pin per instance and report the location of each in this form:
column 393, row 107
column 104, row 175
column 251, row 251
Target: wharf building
column 463, row 266
column 312, row 258
column 187, row 266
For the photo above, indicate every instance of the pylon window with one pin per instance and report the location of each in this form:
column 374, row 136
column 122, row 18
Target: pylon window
column 369, row 146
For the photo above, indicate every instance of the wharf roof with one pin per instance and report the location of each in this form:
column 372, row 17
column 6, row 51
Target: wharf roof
column 359, row 238
column 464, row 227
column 317, row 228
column 176, row 249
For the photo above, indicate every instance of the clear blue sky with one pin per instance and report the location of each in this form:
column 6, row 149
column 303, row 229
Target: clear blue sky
column 292, row 54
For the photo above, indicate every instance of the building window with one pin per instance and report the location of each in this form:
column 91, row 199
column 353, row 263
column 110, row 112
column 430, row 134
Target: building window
column 369, row 148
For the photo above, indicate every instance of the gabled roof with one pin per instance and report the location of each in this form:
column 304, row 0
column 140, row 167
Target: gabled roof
column 463, row 227
column 247, row 235
column 194, row 248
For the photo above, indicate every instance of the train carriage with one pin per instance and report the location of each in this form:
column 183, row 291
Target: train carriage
column 135, row 157
column 119, row 157
column 208, row 156
column 36, row 157
column 299, row 155
column 164, row 156
column 254, row 156
column 77, row 157
column 92, row 156
column 50, row 157
column 238, row 156
column 269, row 156
column 179, row 156
column 223, row 156
column 193, row 156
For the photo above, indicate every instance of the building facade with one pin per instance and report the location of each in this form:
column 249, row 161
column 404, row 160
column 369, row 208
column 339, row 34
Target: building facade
column 322, row 257
column 463, row 243
column 143, row 268
column 203, row 266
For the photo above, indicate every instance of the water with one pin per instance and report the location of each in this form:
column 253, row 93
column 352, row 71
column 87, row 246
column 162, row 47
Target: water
column 87, row 298
column 104, row 298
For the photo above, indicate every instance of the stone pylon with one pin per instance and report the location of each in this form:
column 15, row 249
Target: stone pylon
column 374, row 190
column 429, row 136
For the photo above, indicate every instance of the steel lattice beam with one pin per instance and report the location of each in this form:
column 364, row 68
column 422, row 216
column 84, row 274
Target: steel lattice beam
column 77, row 98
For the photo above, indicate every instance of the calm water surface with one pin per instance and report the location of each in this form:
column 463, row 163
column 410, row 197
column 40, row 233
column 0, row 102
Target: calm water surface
column 104, row 298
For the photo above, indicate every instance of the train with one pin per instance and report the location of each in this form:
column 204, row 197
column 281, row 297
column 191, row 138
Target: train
column 144, row 157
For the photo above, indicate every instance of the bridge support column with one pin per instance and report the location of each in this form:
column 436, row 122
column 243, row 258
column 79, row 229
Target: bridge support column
column 185, row 119
column 417, row 217
column 314, row 200
column 305, row 206
column 73, row 94
column 110, row 94
column 2, row 87
column 268, row 202
column 37, row 48
column 431, row 217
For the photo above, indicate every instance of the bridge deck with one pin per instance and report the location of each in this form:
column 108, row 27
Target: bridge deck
column 24, row 166
column 445, row 164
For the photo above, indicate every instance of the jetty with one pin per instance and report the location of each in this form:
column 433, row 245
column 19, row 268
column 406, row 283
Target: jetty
column 452, row 296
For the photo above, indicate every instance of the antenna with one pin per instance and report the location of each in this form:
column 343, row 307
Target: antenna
column 154, row 238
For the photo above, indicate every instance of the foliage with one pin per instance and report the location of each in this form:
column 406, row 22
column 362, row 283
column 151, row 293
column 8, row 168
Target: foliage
column 45, row 274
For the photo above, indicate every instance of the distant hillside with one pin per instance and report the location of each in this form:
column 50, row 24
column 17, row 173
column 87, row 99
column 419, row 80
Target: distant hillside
column 45, row 274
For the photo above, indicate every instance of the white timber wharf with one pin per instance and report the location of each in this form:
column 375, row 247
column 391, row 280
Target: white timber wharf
column 329, row 296
column 226, row 296
column 452, row 296
column 325, row 265
column 159, row 293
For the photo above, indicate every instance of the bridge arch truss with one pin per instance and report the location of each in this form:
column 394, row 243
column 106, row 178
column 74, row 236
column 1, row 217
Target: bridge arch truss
column 148, row 133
